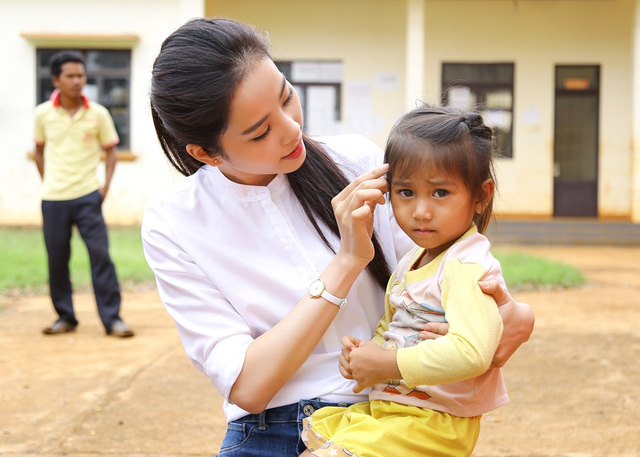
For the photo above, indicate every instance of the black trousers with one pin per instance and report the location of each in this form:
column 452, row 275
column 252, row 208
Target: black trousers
column 58, row 219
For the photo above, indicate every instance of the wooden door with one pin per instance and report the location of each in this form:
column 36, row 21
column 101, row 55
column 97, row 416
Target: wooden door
column 575, row 189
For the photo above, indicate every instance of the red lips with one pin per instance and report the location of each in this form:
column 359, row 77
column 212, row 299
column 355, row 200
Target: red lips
column 296, row 152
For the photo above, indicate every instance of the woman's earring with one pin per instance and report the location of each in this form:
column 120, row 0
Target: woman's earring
column 215, row 160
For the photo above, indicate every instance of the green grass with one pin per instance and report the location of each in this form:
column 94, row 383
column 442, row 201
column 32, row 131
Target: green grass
column 523, row 271
column 23, row 264
column 23, row 261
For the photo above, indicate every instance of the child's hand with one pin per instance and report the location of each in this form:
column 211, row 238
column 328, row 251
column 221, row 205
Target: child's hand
column 348, row 343
column 370, row 364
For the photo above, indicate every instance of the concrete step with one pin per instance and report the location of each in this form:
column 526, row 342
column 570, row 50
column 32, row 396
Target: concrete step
column 564, row 231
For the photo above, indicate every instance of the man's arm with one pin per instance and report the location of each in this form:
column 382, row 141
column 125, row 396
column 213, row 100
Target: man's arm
column 110, row 166
column 39, row 158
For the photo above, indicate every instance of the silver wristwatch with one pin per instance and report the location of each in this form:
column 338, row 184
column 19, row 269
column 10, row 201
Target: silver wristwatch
column 317, row 290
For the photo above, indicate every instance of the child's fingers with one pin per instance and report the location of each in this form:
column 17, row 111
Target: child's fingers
column 344, row 369
column 349, row 342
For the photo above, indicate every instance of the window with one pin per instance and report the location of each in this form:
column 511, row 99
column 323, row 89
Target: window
column 108, row 83
column 318, row 84
column 487, row 88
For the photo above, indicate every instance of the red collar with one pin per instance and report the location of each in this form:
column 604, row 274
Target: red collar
column 55, row 97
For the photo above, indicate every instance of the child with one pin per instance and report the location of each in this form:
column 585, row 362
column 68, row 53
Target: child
column 427, row 397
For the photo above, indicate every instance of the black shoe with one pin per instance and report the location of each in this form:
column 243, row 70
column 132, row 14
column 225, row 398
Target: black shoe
column 120, row 329
column 60, row 326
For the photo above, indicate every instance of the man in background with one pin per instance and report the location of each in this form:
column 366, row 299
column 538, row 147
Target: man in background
column 71, row 133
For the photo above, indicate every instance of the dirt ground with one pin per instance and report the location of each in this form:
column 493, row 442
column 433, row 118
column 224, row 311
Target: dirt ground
column 574, row 387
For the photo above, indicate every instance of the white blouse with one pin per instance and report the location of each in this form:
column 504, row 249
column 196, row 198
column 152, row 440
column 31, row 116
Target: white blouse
column 232, row 260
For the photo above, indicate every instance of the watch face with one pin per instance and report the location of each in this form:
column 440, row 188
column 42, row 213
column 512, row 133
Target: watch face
column 316, row 288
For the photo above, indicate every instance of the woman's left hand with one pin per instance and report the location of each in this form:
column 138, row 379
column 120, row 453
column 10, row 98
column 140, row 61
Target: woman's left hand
column 517, row 319
column 433, row 330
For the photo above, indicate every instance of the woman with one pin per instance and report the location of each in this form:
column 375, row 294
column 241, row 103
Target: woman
column 238, row 247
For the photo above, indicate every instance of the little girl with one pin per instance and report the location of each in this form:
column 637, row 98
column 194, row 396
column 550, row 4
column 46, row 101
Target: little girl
column 427, row 397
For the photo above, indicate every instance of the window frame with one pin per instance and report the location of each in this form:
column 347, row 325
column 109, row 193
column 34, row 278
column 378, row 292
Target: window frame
column 303, row 87
column 480, row 89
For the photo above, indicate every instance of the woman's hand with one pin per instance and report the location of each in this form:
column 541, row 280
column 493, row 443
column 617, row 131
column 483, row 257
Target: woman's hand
column 353, row 208
column 517, row 319
column 433, row 330
column 274, row 356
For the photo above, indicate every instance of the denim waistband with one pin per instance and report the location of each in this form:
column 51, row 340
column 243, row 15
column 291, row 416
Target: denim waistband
column 294, row 412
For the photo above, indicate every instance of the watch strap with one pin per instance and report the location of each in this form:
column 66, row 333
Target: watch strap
column 340, row 302
column 317, row 290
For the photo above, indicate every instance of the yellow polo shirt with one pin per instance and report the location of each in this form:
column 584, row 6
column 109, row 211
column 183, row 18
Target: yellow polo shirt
column 72, row 146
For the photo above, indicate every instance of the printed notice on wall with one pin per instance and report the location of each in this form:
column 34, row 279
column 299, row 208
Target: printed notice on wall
column 360, row 118
column 91, row 91
column 387, row 81
column 321, row 110
column 531, row 116
column 316, row 72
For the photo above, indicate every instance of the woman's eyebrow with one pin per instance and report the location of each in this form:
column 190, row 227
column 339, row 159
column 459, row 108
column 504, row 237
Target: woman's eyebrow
column 261, row 121
column 255, row 126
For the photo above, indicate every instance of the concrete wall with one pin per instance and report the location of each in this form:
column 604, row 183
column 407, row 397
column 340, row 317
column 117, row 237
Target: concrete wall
column 369, row 36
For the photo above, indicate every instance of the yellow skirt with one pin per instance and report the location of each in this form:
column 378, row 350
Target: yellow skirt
column 386, row 429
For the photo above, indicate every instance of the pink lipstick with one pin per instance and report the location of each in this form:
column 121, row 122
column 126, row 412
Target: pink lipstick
column 296, row 152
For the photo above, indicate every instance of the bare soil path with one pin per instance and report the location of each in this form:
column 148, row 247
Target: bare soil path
column 574, row 387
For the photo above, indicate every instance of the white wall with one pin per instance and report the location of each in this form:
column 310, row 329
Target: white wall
column 133, row 182
column 369, row 36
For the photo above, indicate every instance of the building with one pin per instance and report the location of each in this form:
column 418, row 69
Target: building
column 558, row 79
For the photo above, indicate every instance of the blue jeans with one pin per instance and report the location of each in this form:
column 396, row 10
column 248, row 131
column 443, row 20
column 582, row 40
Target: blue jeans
column 274, row 432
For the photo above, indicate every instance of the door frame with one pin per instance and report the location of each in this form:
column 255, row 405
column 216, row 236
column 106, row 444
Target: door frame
column 567, row 201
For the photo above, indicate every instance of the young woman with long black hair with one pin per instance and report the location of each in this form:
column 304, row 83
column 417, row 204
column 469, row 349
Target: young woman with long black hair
column 269, row 251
